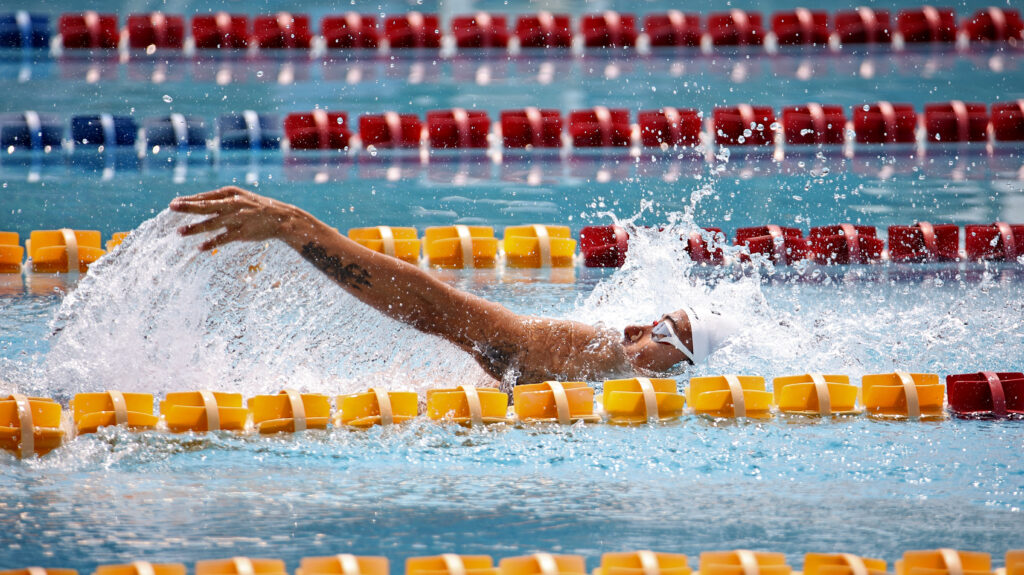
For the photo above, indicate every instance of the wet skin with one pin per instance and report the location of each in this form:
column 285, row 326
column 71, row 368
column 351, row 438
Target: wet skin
column 645, row 353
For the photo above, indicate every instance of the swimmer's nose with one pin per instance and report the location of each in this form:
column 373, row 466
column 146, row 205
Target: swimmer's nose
column 633, row 332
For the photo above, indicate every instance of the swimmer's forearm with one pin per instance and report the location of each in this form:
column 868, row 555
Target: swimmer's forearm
column 324, row 247
column 395, row 288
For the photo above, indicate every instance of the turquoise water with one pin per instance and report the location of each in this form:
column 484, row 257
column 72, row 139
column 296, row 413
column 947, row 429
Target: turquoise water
column 157, row 318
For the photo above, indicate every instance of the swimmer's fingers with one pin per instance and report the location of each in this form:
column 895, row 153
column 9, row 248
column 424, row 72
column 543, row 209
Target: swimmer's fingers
column 221, row 239
column 204, row 206
column 218, row 194
column 207, row 225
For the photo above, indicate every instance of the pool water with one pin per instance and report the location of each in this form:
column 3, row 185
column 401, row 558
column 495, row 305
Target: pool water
column 156, row 316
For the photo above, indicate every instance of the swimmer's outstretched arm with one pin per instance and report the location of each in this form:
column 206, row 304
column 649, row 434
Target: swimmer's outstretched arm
column 393, row 287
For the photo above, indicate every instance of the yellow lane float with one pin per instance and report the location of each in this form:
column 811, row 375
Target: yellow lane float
column 51, row 250
column 1014, row 563
column 401, row 243
column 468, row 405
column 643, row 563
column 115, row 240
column 730, row 396
column 902, row 394
column 451, row 564
column 376, row 407
column 553, row 401
column 241, row 566
column 11, row 253
column 344, row 564
column 141, row 568
column 543, row 564
column 944, row 562
column 743, row 562
column 457, row 247
column 91, row 411
column 204, row 411
column 30, row 425
column 290, row 410
column 815, row 394
column 539, row 246
column 641, row 400
column 39, row 571
column 842, row 564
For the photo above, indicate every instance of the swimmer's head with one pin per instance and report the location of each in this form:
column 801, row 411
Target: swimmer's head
column 649, row 349
column 682, row 337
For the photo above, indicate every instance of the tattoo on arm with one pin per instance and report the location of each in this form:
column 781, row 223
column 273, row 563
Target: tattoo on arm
column 350, row 275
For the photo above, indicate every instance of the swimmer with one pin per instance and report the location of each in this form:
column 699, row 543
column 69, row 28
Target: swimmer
column 511, row 348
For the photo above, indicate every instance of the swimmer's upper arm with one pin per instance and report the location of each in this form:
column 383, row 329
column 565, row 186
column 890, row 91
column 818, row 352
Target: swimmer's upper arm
column 466, row 319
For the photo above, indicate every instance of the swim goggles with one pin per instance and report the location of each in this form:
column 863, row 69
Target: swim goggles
column 663, row 333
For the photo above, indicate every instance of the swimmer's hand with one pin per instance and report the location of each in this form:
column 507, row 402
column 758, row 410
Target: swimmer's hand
column 242, row 215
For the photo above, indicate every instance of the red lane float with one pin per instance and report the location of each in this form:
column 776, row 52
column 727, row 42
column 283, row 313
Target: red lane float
column 391, row 130
column 814, row 124
column 700, row 250
column 480, row 30
column 924, row 242
column 673, row 28
column 604, row 246
column 544, row 30
column 669, row 126
column 884, row 123
column 532, row 128
column 350, row 30
column 994, row 24
column 845, row 244
column 162, row 31
column 736, row 28
column 609, row 29
column 220, row 31
column 863, row 26
column 317, row 130
column 927, row 24
column 1008, row 121
column 413, row 30
column 780, row 244
column 998, row 242
column 89, row 29
column 282, row 31
column 956, row 121
column 986, row 395
column 458, row 128
column 801, row 27
column 600, row 127
column 744, row 125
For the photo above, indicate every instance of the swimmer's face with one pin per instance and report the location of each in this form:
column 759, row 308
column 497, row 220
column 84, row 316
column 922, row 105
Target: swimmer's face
column 646, row 354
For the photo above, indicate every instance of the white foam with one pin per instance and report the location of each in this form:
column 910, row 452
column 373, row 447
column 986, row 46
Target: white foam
column 157, row 315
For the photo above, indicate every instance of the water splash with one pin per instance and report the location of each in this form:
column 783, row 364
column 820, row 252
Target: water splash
column 157, row 315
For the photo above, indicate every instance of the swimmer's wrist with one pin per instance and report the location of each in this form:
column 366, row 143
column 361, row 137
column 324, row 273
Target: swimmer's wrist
column 297, row 227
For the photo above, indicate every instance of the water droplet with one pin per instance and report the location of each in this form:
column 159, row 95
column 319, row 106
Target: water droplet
column 168, row 99
column 259, row 73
